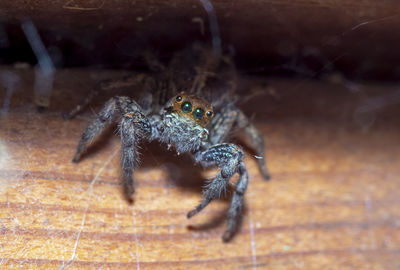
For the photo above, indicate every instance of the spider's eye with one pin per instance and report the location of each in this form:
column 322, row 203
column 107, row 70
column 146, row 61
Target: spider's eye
column 209, row 114
column 186, row 107
column 198, row 113
column 179, row 98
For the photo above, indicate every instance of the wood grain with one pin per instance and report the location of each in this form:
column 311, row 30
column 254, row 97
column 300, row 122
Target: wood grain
column 332, row 203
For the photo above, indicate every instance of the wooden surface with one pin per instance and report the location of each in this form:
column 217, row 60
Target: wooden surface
column 333, row 201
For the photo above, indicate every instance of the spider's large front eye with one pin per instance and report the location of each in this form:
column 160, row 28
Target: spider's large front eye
column 186, row 107
column 198, row 113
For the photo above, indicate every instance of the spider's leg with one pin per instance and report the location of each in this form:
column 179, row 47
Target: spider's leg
column 104, row 86
column 229, row 157
column 112, row 111
column 152, row 62
column 228, row 118
column 222, row 124
column 256, row 140
column 133, row 127
column 236, row 206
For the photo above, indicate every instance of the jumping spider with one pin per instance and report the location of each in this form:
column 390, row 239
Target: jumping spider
column 175, row 110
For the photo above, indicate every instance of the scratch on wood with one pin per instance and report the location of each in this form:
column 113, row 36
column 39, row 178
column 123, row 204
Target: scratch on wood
column 252, row 242
column 71, row 261
column 369, row 22
column 69, row 5
column 136, row 241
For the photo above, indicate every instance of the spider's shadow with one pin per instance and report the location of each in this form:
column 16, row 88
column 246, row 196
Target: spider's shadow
column 181, row 170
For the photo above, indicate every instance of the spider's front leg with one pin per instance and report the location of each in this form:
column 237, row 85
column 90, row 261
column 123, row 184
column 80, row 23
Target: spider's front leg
column 133, row 126
column 229, row 157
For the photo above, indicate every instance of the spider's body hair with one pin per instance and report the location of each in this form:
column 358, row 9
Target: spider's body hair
column 179, row 132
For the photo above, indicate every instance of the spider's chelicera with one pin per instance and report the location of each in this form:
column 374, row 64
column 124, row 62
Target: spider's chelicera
column 187, row 123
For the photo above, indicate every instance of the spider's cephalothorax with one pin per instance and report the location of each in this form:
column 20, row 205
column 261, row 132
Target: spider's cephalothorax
column 196, row 122
column 184, row 122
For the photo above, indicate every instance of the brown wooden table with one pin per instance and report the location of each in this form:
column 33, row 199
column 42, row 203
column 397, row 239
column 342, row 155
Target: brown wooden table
column 333, row 201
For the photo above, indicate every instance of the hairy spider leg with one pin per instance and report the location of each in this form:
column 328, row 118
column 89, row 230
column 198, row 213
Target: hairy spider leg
column 256, row 141
column 133, row 127
column 228, row 157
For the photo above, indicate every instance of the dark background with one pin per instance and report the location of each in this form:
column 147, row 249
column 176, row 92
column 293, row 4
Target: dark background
column 302, row 38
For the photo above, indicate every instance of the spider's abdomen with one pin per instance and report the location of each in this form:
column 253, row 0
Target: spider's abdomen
column 182, row 133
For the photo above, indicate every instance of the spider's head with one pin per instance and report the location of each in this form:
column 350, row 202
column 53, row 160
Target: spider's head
column 194, row 108
column 184, row 122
